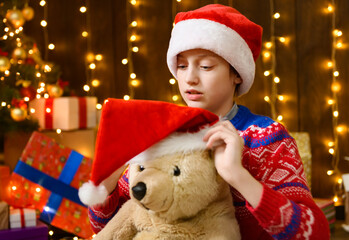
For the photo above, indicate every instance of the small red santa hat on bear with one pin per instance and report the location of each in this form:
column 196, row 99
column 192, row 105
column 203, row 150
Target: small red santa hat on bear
column 129, row 129
column 222, row 30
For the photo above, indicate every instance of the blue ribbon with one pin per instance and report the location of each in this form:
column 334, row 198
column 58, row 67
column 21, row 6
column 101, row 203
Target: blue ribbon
column 60, row 187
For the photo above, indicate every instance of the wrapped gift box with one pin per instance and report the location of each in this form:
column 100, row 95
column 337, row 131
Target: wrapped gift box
column 328, row 208
column 47, row 177
column 4, row 215
column 65, row 113
column 22, row 217
column 4, row 180
column 40, row 232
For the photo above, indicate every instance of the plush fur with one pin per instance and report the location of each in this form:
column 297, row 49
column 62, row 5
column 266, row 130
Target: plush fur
column 183, row 198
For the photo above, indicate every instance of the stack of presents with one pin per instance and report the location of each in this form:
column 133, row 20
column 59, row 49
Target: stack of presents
column 39, row 188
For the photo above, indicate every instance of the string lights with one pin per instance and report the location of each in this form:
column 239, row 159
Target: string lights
column 132, row 48
column 333, row 145
column 269, row 59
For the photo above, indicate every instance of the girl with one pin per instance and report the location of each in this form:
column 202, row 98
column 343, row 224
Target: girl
column 212, row 54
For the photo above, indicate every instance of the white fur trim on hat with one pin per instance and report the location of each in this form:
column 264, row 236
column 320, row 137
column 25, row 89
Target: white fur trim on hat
column 90, row 194
column 175, row 143
column 218, row 38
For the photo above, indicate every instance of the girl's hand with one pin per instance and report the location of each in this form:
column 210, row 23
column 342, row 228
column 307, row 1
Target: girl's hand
column 227, row 145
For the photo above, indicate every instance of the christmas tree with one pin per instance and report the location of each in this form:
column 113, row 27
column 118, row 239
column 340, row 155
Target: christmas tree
column 24, row 75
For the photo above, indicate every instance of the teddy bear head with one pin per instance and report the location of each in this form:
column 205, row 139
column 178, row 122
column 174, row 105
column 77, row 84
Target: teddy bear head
column 177, row 183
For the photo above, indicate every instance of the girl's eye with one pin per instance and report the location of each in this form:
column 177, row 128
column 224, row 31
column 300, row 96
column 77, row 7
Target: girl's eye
column 141, row 168
column 206, row 67
column 181, row 66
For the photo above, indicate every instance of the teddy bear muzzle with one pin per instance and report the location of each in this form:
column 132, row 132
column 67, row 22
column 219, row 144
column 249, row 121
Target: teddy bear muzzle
column 139, row 191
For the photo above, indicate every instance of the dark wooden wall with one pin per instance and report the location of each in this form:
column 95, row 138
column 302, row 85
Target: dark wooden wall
column 300, row 65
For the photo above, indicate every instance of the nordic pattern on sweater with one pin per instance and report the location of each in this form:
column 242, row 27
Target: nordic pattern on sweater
column 286, row 210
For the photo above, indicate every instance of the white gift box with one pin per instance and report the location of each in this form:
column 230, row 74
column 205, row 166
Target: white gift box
column 65, row 113
column 25, row 216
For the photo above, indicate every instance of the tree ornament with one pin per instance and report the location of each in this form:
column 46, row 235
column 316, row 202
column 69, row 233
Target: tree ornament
column 18, row 114
column 28, row 13
column 19, row 53
column 15, row 17
column 54, row 90
column 4, row 64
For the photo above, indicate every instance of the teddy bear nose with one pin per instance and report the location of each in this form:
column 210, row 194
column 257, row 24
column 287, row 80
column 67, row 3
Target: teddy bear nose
column 139, row 190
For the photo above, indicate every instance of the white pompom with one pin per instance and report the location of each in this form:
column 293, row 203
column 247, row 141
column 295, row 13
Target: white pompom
column 90, row 194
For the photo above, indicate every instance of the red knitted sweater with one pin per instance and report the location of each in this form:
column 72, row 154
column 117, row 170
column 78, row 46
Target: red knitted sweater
column 286, row 210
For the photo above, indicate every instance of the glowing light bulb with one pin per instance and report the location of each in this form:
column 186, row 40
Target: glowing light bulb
column 277, row 15
column 335, row 87
column 14, row 188
column 330, row 144
column 133, row 38
column 135, row 83
column 281, row 98
column 266, row 54
column 339, row 181
column 99, row 57
column 135, row 49
column 335, row 114
column 48, row 110
column 43, row 23
column 83, row 9
column 92, row 66
column 95, row 82
column 337, row 33
column 340, row 129
column 124, row 61
column 84, row 34
column 90, row 57
column 330, row 101
column 268, row 45
column 37, row 189
column 280, row 117
column 266, row 98
column 58, row 131
column 179, row 0
column 38, row 74
column 266, row 73
column 98, row 106
column 42, row 3
column 133, row 76
column 50, row 233
column 86, row 88
column 339, row 45
column 134, row 24
column 126, row 97
column 330, row 8
column 175, row 98
column 331, row 151
column 330, row 172
column 26, row 99
column 276, row 79
column 51, row 46
column 282, row 39
column 329, row 64
column 336, row 73
column 3, row 104
column 133, row 2
column 172, row 81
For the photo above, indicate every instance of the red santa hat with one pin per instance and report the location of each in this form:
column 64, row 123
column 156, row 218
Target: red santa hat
column 136, row 130
column 222, row 30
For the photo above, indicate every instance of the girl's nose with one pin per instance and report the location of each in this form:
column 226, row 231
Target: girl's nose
column 191, row 77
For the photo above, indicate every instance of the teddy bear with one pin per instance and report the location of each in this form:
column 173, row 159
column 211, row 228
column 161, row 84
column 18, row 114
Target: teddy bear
column 176, row 193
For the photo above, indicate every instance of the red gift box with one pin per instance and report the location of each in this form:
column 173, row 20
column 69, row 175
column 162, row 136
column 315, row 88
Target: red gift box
column 65, row 113
column 48, row 177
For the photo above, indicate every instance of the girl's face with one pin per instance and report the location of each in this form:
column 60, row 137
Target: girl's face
column 206, row 81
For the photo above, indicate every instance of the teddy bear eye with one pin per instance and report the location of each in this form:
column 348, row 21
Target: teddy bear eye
column 141, row 168
column 176, row 171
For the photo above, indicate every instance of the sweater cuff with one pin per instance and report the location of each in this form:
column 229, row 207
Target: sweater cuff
column 268, row 207
column 110, row 204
